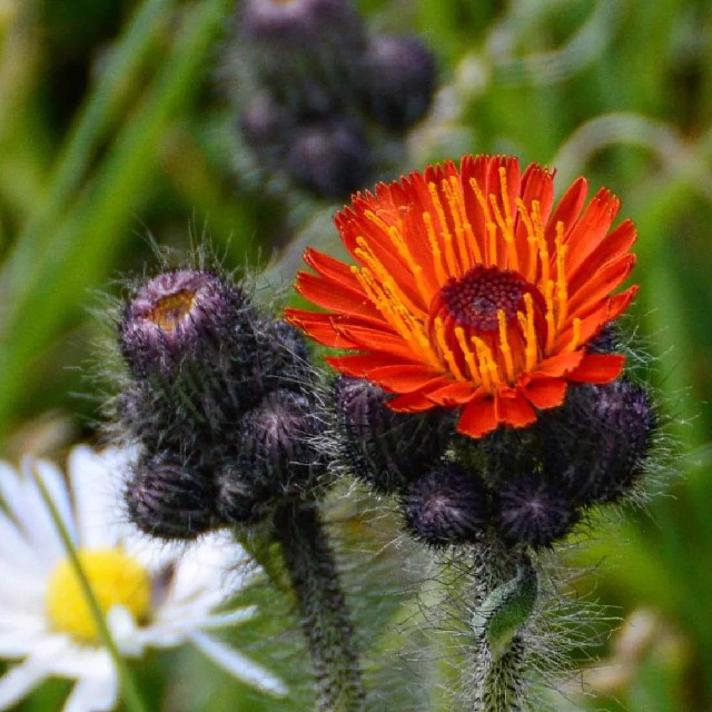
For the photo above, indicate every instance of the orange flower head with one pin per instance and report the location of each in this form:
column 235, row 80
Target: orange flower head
column 471, row 290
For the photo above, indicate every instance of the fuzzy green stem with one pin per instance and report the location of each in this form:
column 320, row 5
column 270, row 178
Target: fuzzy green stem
column 325, row 618
column 131, row 695
column 505, row 593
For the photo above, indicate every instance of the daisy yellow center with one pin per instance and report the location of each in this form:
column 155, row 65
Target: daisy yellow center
column 170, row 310
column 116, row 579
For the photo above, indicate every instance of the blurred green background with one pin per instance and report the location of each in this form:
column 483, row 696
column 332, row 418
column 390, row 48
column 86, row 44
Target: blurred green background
column 116, row 132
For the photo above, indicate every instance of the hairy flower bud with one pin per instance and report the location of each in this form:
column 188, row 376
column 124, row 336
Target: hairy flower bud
column 399, row 80
column 170, row 499
column 534, row 510
column 265, row 126
column 446, row 506
column 330, row 158
column 277, row 451
column 305, row 52
column 283, row 357
column 597, row 443
column 241, row 500
column 383, row 448
column 200, row 357
column 295, row 22
column 178, row 316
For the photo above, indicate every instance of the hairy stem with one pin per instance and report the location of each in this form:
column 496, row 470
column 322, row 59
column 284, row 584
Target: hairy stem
column 504, row 593
column 325, row 618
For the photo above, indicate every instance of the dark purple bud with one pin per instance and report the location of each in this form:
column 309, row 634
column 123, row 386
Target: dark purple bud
column 283, row 357
column 241, row 501
column 446, row 506
column 277, row 451
column 170, row 499
column 596, row 445
column 179, row 315
column 297, row 22
column 387, row 450
column 331, row 159
column 606, row 341
column 399, row 79
column 266, row 127
column 534, row 511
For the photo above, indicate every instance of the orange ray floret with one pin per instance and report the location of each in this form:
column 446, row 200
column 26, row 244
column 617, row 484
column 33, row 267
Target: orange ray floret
column 470, row 289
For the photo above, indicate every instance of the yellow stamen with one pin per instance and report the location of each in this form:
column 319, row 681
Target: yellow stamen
column 446, row 351
column 116, row 579
column 504, row 345
column 488, row 365
column 366, row 255
column 531, row 349
column 440, row 271
column 576, row 336
column 489, row 240
column 507, row 233
column 472, row 247
column 467, row 353
column 561, row 285
column 450, row 257
column 550, row 315
column 396, row 314
column 531, row 240
column 416, row 269
column 541, row 242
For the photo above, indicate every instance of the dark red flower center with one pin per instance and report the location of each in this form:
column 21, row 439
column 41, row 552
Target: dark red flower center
column 475, row 299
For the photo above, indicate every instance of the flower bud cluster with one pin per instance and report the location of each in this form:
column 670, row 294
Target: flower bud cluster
column 220, row 399
column 316, row 89
column 531, row 486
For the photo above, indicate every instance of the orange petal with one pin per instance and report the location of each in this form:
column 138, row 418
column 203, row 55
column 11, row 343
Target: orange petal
column 453, row 394
column 615, row 245
column 374, row 339
column 537, row 184
column 598, row 368
column 360, row 365
column 568, row 208
column 403, row 378
column 410, row 403
column 328, row 295
column 515, row 410
column 610, row 310
column 478, row 418
column 332, row 269
column 601, row 285
column 591, row 228
column 546, row 393
column 559, row 364
column 319, row 327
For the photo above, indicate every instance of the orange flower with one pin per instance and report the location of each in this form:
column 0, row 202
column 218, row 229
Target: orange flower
column 469, row 291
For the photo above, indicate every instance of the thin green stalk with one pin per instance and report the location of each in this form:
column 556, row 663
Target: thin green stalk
column 82, row 141
column 325, row 618
column 132, row 698
column 504, row 593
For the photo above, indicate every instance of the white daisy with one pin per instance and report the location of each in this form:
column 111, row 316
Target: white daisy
column 153, row 595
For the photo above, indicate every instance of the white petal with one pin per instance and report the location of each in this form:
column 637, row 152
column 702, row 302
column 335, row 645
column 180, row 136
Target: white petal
column 25, row 506
column 238, row 665
column 124, row 631
column 20, row 680
column 96, row 481
column 56, row 485
column 14, row 644
column 93, row 695
column 15, row 549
